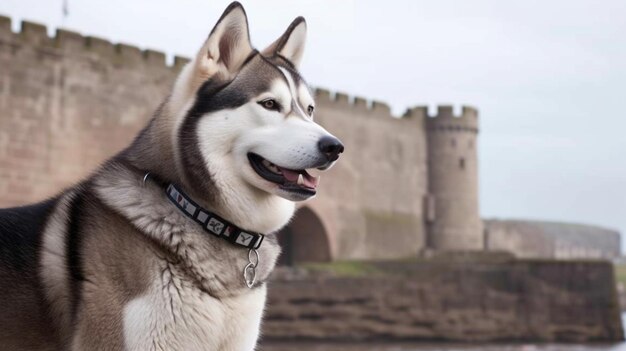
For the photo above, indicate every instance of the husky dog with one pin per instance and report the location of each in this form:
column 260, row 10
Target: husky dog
column 162, row 248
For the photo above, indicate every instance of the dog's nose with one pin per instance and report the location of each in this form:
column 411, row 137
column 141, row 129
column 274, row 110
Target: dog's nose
column 331, row 147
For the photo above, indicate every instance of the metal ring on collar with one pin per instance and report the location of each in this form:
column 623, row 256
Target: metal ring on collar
column 249, row 275
column 253, row 259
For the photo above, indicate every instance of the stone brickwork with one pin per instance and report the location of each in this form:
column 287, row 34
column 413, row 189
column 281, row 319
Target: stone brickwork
column 68, row 103
column 448, row 299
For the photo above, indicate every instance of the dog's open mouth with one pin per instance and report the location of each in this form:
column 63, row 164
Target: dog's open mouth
column 288, row 179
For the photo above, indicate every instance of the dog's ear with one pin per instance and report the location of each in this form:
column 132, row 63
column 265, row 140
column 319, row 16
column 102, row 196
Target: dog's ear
column 290, row 45
column 228, row 45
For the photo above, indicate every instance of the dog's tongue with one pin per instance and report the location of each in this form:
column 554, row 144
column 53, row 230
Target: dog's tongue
column 307, row 180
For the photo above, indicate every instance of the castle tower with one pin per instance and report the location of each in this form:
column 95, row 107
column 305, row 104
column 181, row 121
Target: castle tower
column 453, row 180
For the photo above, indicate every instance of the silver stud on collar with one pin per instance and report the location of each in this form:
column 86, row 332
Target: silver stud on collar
column 249, row 271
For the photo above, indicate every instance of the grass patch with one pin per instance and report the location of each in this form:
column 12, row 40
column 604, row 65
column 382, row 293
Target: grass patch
column 344, row 268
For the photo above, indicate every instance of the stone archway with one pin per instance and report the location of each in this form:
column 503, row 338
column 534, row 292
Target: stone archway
column 304, row 239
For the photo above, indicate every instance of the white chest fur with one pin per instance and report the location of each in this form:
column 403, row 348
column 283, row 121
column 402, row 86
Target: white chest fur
column 175, row 315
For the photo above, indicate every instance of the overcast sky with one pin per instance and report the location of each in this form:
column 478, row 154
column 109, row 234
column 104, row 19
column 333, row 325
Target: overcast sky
column 548, row 77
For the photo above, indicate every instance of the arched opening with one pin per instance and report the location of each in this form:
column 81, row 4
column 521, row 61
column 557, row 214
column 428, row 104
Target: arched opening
column 304, row 240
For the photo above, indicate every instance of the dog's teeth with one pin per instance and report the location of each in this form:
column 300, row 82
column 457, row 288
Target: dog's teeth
column 300, row 179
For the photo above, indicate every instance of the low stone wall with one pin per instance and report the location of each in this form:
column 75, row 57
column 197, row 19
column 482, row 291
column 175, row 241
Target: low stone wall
column 440, row 299
column 541, row 239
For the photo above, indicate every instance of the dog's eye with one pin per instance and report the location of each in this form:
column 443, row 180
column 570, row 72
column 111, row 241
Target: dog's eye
column 270, row 104
column 310, row 110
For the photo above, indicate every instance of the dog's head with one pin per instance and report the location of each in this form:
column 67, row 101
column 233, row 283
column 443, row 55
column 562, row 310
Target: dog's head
column 246, row 117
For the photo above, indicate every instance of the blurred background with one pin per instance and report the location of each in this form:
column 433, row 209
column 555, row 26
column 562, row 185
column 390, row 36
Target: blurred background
column 485, row 155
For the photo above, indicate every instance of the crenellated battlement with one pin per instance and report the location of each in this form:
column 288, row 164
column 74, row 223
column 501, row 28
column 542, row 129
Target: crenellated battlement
column 36, row 34
column 356, row 103
column 445, row 120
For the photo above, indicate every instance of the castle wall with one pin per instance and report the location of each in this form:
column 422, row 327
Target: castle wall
column 534, row 239
column 66, row 104
column 375, row 193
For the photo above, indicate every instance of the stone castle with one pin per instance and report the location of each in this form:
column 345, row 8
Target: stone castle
column 404, row 185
